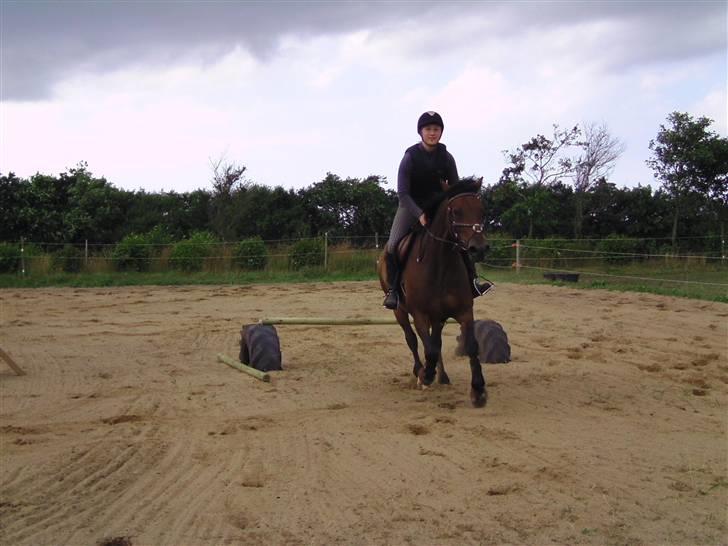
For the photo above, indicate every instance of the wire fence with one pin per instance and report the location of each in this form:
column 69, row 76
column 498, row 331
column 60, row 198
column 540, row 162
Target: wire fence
column 622, row 259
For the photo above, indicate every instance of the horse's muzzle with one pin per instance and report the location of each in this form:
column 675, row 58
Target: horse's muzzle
column 477, row 250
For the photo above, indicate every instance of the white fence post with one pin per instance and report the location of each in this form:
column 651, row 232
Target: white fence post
column 22, row 256
column 326, row 251
column 85, row 254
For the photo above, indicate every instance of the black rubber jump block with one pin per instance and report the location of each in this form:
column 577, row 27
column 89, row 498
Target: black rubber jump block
column 260, row 347
column 568, row 277
column 493, row 346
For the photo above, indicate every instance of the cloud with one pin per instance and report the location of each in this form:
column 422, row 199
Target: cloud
column 45, row 42
column 293, row 90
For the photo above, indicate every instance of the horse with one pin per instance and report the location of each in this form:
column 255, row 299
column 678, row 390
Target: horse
column 435, row 284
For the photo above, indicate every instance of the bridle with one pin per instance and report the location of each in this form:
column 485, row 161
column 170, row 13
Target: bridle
column 454, row 227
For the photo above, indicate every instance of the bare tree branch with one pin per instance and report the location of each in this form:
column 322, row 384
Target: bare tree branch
column 600, row 153
column 225, row 176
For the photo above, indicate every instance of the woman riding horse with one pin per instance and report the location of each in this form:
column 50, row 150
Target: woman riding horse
column 436, row 284
column 425, row 168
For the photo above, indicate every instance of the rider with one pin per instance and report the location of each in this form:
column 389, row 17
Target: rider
column 424, row 166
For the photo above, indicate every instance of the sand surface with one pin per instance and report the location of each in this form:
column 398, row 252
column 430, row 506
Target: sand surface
column 609, row 426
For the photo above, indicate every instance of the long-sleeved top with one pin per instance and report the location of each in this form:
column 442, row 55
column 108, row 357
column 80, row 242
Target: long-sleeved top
column 438, row 163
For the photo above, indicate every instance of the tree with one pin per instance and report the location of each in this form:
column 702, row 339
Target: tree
column 691, row 161
column 14, row 198
column 95, row 208
column 599, row 153
column 268, row 213
column 374, row 207
column 537, row 209
column 44, row 212
column 227, row 179
column 541, row 161
column 330, row 204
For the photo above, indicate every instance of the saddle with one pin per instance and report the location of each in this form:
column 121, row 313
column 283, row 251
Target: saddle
column 404, row 247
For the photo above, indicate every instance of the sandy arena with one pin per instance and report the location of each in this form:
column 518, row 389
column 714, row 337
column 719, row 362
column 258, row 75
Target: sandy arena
column 609, row 426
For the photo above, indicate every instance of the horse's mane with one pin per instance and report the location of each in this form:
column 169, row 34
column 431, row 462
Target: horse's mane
column 464, row 185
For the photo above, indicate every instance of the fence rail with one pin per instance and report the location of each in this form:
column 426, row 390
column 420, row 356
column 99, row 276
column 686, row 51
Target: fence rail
column 358, row 254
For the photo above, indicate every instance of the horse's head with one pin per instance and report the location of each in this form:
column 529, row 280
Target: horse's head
column 465, row 218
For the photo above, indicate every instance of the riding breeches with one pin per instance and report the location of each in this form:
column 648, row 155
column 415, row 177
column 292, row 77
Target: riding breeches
column 401, row 226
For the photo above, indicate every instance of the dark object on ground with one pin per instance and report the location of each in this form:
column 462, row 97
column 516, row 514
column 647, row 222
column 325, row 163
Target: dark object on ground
column 260, row 347
column 493, row 346
column 568, row 277
column 116, row 541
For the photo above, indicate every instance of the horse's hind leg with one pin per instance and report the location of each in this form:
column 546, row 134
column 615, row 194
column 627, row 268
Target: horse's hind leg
column 410, row 337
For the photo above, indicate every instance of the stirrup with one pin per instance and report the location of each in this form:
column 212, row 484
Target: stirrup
column 391, row 300
column 481, row 289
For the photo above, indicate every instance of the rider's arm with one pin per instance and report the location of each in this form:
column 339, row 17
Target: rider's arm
column 404, row 180
column 452, row 171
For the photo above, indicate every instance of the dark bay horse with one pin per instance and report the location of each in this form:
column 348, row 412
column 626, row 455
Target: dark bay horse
column 436, row 285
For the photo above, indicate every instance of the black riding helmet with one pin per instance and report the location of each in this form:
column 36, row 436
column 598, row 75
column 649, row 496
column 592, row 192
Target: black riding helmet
column 429, row 118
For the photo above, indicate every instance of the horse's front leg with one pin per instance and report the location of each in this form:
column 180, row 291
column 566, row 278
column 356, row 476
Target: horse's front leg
column 432, row 342
column 410, row 337
column 442, row 377
column 478, row 392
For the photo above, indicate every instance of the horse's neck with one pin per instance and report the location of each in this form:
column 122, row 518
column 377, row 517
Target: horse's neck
column 440, row 249
column 441, row 229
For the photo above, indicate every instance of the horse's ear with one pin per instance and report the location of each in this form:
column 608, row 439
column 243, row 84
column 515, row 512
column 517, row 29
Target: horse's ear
column 480, row 183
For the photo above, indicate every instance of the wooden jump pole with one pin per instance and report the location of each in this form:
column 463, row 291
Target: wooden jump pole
column 243, row 368
column 329, row 321
column 6, row 357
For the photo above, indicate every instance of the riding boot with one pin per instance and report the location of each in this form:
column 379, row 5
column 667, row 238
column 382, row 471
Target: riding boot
column 391, row 300
column 476, row 286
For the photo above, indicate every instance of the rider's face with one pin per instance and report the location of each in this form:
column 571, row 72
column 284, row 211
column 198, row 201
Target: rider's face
column 431, row 134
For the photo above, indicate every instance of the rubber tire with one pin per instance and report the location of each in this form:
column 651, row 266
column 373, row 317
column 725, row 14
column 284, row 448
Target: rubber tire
column 493, row 346
column 260, row 347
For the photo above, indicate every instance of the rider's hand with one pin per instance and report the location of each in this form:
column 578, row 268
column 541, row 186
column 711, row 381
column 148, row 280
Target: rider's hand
column 423, row 219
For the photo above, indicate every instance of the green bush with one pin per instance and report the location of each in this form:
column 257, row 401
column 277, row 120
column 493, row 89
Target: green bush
column 614, row 245
column 251, row 254
column 69, row 259
column 307, row 253
column 9, row 258
column 132, row 253
column 158, row 238
column 190, row 254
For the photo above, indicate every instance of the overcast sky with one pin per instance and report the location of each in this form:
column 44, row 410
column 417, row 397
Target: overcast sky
column 149, row 92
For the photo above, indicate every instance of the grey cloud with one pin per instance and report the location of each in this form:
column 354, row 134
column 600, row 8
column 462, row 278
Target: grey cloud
column 44, row 42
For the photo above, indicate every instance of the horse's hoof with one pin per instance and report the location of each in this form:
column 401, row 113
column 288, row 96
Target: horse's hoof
column 478, row 399
column 422, row 379
column 443, row 379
